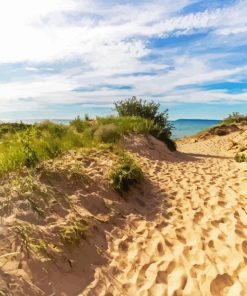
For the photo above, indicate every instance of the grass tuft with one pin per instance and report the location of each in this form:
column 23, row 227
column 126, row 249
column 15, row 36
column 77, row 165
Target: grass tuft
column 108, row 133
column 37, row 246
column 72, row 233
column 126, row 174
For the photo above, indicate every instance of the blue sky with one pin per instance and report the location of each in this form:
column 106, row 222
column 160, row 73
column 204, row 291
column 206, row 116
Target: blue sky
column 63, row 58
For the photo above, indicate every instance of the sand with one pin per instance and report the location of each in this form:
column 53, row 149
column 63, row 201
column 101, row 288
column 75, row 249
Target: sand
column 192, row 238
column 182, row 232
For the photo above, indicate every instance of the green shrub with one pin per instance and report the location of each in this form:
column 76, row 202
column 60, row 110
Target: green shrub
column 53, row 149
column 235, row 117
column 31, row 158
column 240, row 157
column 79, row 124
column 126, row 174
column 107, row 133
column 12, row 127
column 145, row 109
column 54, row 129
column 148, row 110
column 58, row 131
column 162, row 136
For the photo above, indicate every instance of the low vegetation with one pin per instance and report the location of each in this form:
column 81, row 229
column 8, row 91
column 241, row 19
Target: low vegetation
column 144, row 109
column 240, row 157
column 27, row 145
column 127, row 173
column 149, row 110
column 31, row 241
column 12, row 127
column 235, row 117
column 72, row 233
column 232, row 123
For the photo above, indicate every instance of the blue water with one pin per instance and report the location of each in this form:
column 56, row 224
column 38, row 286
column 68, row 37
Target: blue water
column 189, row 127
column 182, row 127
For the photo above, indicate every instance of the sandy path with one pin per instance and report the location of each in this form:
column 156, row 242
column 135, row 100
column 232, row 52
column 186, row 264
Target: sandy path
column 192, row 239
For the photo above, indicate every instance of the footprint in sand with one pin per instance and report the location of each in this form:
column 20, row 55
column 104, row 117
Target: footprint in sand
column 220, row 284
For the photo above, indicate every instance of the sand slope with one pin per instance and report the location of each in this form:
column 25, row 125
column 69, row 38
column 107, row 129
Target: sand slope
column 182, row 232
column 226, row 146
column 191, row 240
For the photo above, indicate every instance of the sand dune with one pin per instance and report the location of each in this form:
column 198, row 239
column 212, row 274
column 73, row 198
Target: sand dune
column 225, row 146
column 182, row 232
column 192, row 239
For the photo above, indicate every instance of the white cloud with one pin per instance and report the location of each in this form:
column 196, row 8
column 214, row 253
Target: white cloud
column 109, row 39
column 47, row 31
column 58, row 88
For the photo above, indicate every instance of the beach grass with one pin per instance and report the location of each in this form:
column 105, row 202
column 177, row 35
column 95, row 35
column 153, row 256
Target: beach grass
column 125, row 174
column 27, row 145
column 47, row 140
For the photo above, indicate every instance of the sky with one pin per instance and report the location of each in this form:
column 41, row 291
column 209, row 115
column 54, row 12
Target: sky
column 63, row 58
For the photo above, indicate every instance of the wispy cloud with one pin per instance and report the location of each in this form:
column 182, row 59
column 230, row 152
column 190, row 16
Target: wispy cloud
column 106, row 50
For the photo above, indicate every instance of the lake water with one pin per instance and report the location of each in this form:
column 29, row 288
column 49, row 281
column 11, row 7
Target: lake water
column 189, row 127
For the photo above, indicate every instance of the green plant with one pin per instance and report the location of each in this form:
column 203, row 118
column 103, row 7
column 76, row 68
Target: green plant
column 128, row 124
column 35, row 207
column 23, row 185
column 162, row 136
column 127, row 173
column 145, row 109
column 53, row 149
column 12, row 128
column 79, row 124
column 107, row 133
column 148, row 110
column 37, row 246
column 86, row 117
column 31, row 158
column 72, row 233
column 240, row 157
column 31, row 144
column 77, row 173
column 235, row 117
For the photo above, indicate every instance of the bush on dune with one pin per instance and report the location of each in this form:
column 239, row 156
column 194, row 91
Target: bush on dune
column 235, row 117
column 144, row 109
column 148, row 110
